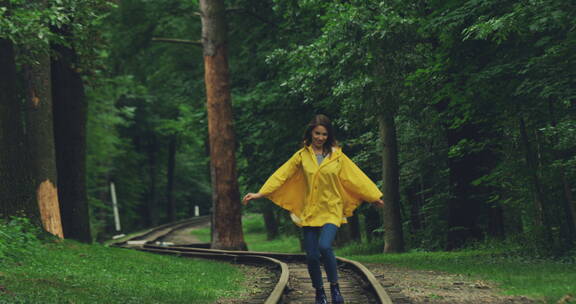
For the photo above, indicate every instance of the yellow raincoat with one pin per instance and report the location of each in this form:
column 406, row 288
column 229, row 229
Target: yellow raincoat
column 319, row 194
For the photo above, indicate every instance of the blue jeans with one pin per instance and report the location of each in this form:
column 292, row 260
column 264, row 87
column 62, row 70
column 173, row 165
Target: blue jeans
column 318, row 243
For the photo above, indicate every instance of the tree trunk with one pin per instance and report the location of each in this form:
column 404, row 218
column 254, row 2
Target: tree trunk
column 354, row 223
column 40, row 140
column 70, row 114
column 538, row 215
column 393, row 236
column 415, row 203
column 372, row 221
column 270, row 222
column 152, row 170
column 15, row 191
column 170, row 203
column 466, row 200
column 496, row 222
column 227, row 232
column 569, row 205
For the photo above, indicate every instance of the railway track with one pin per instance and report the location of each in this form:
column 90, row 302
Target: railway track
column 162, row 232
column 288, row 281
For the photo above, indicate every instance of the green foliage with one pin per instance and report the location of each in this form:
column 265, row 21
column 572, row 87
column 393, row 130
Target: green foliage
column 492, row 64
column 18, row 237
column 144, row 96
column 458, row 77
column 105, row 145
column 28, row 22
column 34, row 24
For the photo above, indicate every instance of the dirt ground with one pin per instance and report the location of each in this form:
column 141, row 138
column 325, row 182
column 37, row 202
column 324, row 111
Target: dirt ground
column 433, row 287
column 257, row 285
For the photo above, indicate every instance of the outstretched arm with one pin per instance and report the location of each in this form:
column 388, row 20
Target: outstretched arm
column 282, row 174
column 250, row 196
column 357, row 183
column 379, row 203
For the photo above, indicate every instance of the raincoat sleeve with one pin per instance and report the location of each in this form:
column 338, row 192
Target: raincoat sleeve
column 357, row 186
column 287, row 186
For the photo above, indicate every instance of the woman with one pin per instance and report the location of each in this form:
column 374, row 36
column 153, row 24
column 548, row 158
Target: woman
column 320, row 186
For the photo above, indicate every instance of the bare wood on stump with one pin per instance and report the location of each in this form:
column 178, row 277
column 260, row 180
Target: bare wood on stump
column 40, row 140
column 47, row 196
column 393, row 236
column 227, row 232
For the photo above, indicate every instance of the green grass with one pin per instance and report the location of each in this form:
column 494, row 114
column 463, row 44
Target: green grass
column 70, row 272
column 202, row 234
column 255, row 236
column 546, row 280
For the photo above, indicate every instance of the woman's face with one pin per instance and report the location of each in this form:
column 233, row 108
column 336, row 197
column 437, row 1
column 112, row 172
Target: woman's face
column 319, row 136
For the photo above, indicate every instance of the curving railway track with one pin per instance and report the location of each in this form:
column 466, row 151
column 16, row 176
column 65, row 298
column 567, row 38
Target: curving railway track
column 288, row 280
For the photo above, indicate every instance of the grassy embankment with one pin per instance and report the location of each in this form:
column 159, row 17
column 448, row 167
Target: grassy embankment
column 544, row 279
column 255, row 237
column 53, row 271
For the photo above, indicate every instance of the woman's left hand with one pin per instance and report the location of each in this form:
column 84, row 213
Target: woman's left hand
column 379, row 203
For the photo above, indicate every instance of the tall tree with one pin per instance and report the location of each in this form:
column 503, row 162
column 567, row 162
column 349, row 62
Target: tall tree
column 14, row 197
column 152, row 147
column 70, row 114
column 393, row 234
column 40, row 138
column 226, row 217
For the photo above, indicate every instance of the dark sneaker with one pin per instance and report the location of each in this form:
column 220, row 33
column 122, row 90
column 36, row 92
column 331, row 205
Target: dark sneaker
column 321, row 296
column 336, row 294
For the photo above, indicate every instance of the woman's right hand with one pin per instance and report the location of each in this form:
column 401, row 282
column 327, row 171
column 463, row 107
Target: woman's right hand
column 251, row 196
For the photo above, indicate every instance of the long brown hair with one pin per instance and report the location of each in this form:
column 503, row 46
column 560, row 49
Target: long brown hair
column 321, row 120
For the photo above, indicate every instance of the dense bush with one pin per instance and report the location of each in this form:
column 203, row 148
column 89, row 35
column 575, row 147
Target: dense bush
column 18, row 237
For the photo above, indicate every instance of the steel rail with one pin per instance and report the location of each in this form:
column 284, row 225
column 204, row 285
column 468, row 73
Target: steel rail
column 143, row 235
column 274, row 297
column 278, row 260
column 377, row 288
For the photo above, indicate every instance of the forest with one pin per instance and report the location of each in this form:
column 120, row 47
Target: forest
column 464, row 112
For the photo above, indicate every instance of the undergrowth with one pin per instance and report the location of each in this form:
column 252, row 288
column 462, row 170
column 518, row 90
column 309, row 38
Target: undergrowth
column 18, row 237
column 37, row 269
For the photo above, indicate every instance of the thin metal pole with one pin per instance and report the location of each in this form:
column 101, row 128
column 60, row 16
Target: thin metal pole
column 115, row 207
